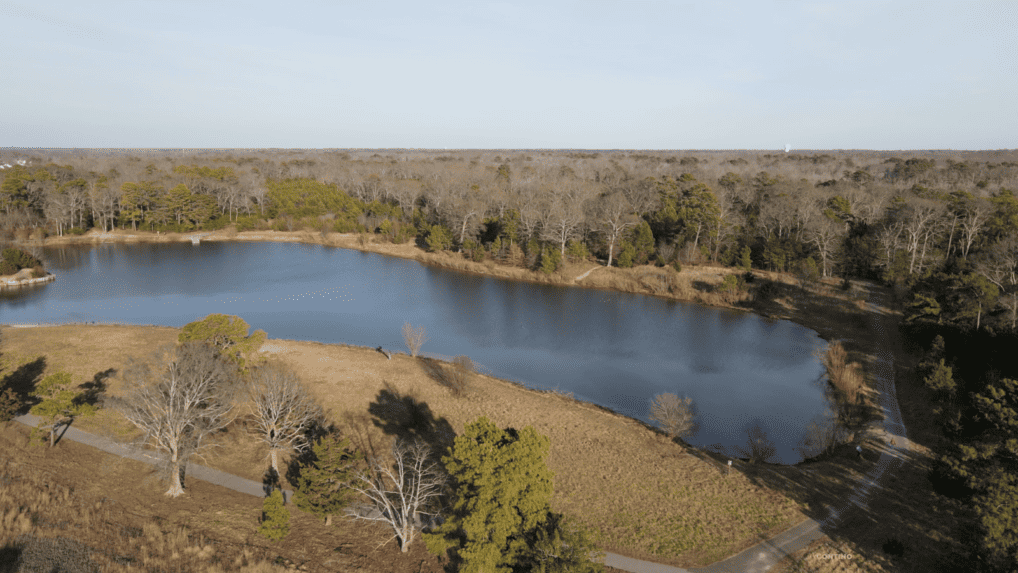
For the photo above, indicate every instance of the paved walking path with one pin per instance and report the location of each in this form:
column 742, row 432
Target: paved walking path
column 584, row 275
column 756, row 559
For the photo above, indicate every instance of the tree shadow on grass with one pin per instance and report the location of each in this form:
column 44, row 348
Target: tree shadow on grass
column 404, row 416
column 23, row 381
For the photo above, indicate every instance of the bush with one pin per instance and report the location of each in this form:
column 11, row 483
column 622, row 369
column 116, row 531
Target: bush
column 677, row 266
column 551, row 260
column 20, row 259
column 38, row 272
column 674, row 414
column 745, row 261
column 248, row 223
column 439, row 238
column 275, row 517
column 76, row 231
column 627, row 255
column 577, row 251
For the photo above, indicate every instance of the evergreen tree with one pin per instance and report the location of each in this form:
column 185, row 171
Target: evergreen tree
column 561, row 547
column 941, row 379
column 60, row 403
column 226, row 333
column 322, row 484
column 745, row 261
column 643, row 243
column 502, row 489
column 275, row 517
column 627, row 254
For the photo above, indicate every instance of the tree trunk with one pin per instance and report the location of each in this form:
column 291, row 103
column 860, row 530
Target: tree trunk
column 611, row 247
column 275, row 460
column 176, row 489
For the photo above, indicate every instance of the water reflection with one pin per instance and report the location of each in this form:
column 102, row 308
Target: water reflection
column 614, row 349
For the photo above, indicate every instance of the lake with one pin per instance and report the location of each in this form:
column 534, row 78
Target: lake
column 613, row 349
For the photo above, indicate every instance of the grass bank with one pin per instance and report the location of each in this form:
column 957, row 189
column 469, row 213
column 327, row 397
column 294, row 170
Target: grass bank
column 643, row 494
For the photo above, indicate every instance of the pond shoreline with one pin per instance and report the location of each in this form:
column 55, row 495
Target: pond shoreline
column 831, row 314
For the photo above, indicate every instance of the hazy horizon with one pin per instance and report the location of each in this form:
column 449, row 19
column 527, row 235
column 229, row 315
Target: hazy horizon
column 728, row 76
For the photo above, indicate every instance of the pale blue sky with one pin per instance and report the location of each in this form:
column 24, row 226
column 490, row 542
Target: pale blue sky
column 594, row 75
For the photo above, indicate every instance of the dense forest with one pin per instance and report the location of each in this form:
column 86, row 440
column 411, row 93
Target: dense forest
column 941, row 227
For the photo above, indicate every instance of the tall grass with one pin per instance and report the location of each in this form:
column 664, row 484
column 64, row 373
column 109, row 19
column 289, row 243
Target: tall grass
column 46, row 525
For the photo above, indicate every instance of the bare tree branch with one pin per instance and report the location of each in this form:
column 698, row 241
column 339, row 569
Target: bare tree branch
column 180, row 406
column 402, row 492
column 284, row 410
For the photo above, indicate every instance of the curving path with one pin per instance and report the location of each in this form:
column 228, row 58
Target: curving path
column 757, row 559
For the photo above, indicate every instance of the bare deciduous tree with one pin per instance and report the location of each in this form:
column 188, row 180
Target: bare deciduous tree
column 674, row 414
column 614, row 214
column 284, row 411
column 180, row 405
column 402, row 492
column 823, row 435
column 759, row 448
column 414, row 338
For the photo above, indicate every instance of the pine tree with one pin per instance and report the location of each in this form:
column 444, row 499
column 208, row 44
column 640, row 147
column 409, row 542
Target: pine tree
column 561, row 547
column 60, row 403
column 322, row 485
column 502, row 490
column 275, row 517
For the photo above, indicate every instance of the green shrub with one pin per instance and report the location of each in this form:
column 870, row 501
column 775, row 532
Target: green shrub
column 577, row 251
column 731, row 284
column 745, row 261
column 247, row 223
column 76, row 231
column 627, row 255
column 439, row 239
column 550, row 260
column 15, row 259
column 677, row 266
column 473, row 250
column 275, row 517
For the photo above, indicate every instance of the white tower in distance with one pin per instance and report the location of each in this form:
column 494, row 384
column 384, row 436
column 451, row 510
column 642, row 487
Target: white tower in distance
column 788, row 147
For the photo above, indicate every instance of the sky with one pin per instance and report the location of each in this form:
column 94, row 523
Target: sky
column 649, row 75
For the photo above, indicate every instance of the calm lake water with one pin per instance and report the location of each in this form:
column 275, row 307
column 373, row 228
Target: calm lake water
column 617, row 350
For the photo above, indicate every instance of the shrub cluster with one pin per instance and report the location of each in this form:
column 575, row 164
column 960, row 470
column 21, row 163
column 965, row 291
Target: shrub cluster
column 15, row 259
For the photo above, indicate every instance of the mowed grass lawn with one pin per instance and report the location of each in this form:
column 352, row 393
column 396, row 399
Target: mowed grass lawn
column 642, row 493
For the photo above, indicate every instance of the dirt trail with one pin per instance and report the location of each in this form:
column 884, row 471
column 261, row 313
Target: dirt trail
column 584, row 275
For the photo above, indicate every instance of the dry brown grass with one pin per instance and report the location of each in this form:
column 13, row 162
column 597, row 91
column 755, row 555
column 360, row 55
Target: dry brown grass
column 636, row 487
column 43, row 520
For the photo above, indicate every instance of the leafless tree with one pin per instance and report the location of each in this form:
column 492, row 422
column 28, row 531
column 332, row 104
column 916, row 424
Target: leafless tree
column 972, row 222
column 1000, row 266
column 402, row 492
column 284, row 411
column 825, row 234
column 823, row 434
column 759, row 448
column 564, row 218
column 180, row 405
column 613, row 214
column 674, row 414
column 414, row 338
column 920, row 222
column 462, row 368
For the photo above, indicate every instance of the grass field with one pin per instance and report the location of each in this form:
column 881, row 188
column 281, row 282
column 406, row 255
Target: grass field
column 643, row 494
